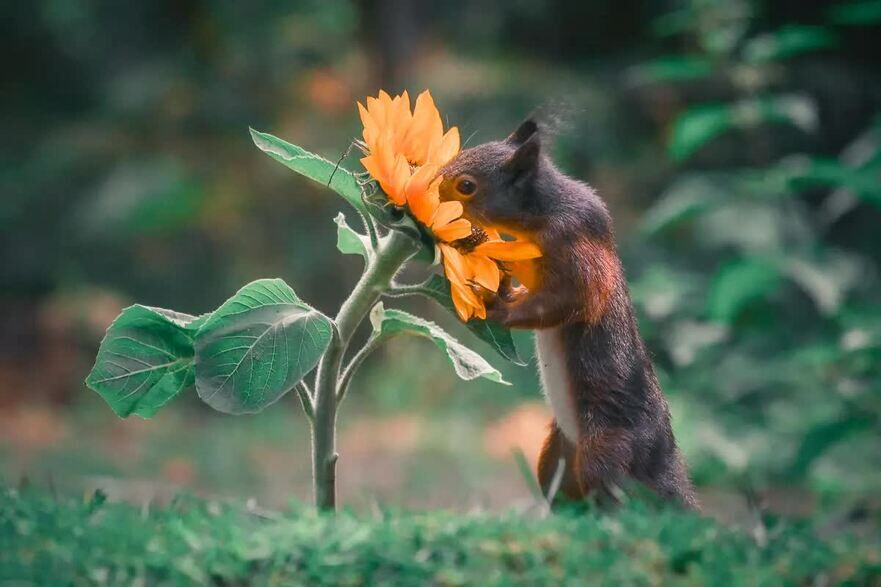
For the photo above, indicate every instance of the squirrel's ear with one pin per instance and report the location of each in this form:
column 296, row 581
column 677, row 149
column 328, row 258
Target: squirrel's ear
column 526, row 129
column 525, row 158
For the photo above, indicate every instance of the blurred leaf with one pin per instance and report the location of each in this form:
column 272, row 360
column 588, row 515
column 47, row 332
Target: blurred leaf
column 672, row 68
column 687, row 338
column 145, row 359
column 857, row 13
column 864, row 182
column 686, row 198
column 466, row 362
column 826, row 282
column 789, row 41
column 312, row 166
column 738, row 283
column 674, row 22
column 348, row 241
column 493, row 333
column 256, row 346
column 153, row 196
column 823, row 437
column 699, row 125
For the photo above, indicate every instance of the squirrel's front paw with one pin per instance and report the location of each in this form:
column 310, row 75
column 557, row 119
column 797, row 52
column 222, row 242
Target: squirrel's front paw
column 497, row 309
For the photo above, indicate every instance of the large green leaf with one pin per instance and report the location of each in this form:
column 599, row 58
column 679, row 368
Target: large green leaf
column 739, row 283
column 312, row 166
column 145, row 359
column 493, row 333
column 256, row 346
column 467, row 363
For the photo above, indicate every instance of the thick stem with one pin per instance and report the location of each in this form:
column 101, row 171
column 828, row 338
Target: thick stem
column 394, row 249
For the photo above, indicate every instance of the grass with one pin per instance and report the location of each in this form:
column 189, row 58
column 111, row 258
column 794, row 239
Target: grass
column 50, row 541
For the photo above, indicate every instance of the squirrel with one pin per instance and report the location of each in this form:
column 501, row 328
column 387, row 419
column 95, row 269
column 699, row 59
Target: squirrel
column 611, row 422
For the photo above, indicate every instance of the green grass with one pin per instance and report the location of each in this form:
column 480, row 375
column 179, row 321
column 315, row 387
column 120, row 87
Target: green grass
column 49, row 541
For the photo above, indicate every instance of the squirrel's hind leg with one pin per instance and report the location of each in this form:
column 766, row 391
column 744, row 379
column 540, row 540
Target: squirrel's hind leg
column 558, row 452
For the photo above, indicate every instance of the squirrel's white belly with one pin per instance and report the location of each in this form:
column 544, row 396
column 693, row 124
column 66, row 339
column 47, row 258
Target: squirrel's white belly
column 551, row 356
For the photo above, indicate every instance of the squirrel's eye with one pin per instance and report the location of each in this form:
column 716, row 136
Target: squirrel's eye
column 466, row 186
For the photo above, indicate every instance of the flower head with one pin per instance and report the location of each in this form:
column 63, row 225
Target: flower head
column 404, row 152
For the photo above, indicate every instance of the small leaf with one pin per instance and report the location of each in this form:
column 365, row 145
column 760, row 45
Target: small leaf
column 789, row 41
column 467, row 363
column 493, row 333
column 737, row 284
column 145, row 359
column 256, row 346
column 687, row 198
column 671, row 68
column 697, row 126
column 312, row 166
column 348, row 241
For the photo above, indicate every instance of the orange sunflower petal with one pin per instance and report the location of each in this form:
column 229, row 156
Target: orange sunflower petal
column 454, row 265
column 396, row 190
column 464, row 309
column 426, row 128
column 444, row 148
column 484, row 271
column 453, row 231
column 423, row 202
column 446, row 212
column 526, row 272
column 371, row 129
column 508, row 250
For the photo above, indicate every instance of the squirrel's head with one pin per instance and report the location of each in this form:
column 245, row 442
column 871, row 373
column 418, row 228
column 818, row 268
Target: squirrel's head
column 499, row 182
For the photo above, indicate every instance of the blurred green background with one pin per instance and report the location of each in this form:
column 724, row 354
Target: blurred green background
column 737, row 143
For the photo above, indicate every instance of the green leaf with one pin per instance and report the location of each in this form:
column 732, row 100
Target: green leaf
column 824, row 436
column 672, row 68
column 145, row 359
column 348, row 241
column 697, row 126
column 789, row 41
column 865, row 182
column 688, row 197
column 737, row 284
column 256, row 346
column 312, row 166
column 493, row 333
column 467, row 363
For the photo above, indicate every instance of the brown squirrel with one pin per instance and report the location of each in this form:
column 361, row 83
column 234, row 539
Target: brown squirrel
column 611, row 421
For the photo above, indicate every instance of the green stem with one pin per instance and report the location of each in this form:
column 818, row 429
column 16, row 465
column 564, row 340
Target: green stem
column 346, row 377
column 393, row 250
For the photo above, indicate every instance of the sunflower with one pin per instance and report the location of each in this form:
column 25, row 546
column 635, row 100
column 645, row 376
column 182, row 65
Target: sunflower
column 480, row 268
column 404, row 152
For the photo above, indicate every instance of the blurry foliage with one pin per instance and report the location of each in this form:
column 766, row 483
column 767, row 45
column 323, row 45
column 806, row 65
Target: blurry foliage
column 765, row 312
